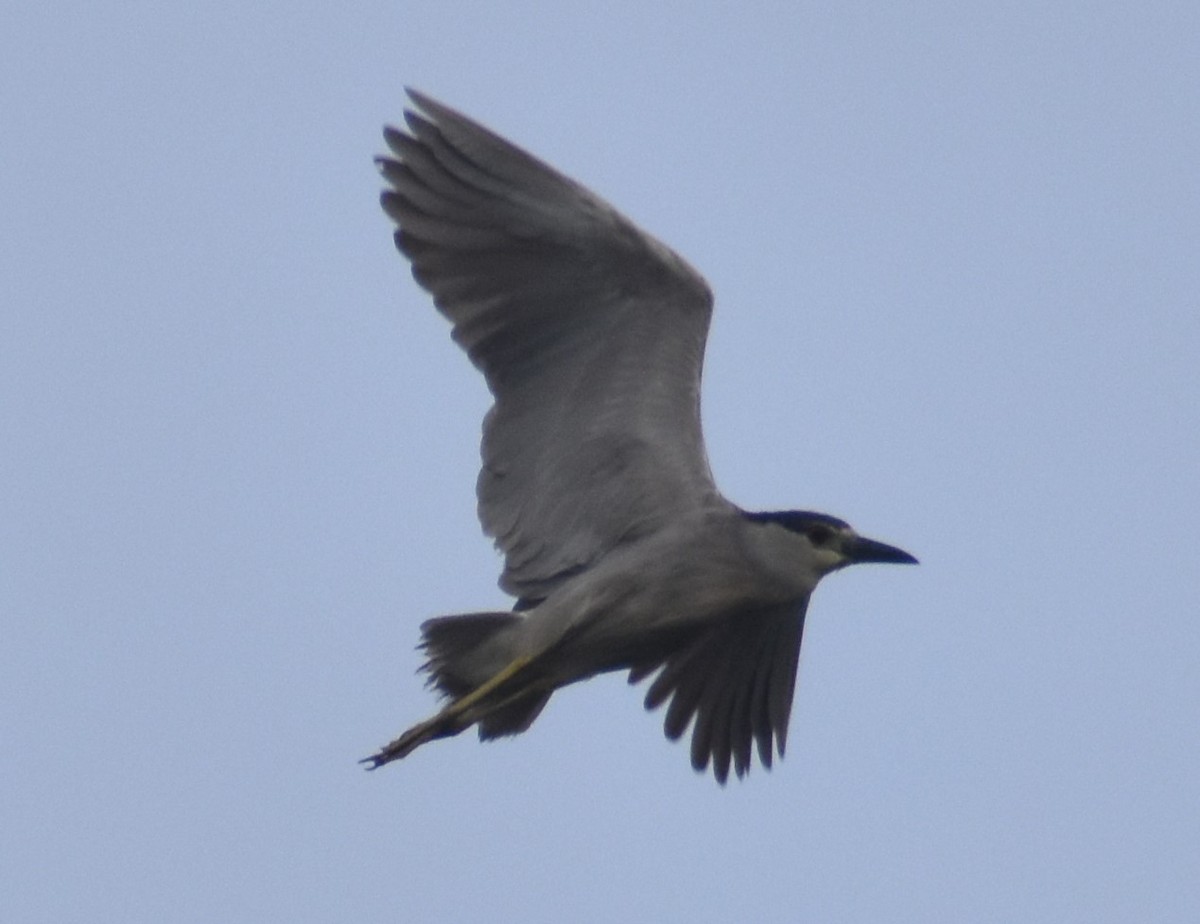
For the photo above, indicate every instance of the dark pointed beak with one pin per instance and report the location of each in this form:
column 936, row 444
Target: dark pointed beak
column 860, row 551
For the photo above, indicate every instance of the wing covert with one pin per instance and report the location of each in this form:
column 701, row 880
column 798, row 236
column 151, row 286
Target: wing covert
column 589, row 332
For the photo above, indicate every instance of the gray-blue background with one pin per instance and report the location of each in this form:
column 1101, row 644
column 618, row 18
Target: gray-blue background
column 956, row 253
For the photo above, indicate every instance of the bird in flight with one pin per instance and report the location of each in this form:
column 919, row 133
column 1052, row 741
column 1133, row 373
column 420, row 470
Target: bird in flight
column 619, row 550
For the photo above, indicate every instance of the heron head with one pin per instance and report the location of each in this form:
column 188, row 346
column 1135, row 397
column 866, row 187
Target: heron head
column 834, row 542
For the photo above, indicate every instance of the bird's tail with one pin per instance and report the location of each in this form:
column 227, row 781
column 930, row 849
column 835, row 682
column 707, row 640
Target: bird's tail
column 463, row 652
column 472, row 660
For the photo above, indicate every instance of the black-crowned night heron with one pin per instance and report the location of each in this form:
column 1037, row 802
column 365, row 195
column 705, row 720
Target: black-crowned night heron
column 619, row 550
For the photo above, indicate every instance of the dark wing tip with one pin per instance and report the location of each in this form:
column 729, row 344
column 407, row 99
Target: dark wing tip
column 734, row 687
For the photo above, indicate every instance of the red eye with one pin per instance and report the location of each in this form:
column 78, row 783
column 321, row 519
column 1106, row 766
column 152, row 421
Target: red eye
column 819, row 534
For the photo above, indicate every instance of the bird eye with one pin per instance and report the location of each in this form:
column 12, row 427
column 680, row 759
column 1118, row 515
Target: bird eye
column 819, row 534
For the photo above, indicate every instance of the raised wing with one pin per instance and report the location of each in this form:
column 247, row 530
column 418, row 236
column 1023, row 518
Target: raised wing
column 589, row 332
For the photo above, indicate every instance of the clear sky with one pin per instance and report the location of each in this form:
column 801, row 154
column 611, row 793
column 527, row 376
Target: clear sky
column 956, row 254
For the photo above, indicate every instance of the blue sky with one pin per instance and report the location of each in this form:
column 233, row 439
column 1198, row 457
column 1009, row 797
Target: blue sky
column 955, row 254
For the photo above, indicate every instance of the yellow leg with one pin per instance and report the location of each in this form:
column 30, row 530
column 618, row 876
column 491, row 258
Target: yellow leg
column 446, row 722
column 463, row 703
